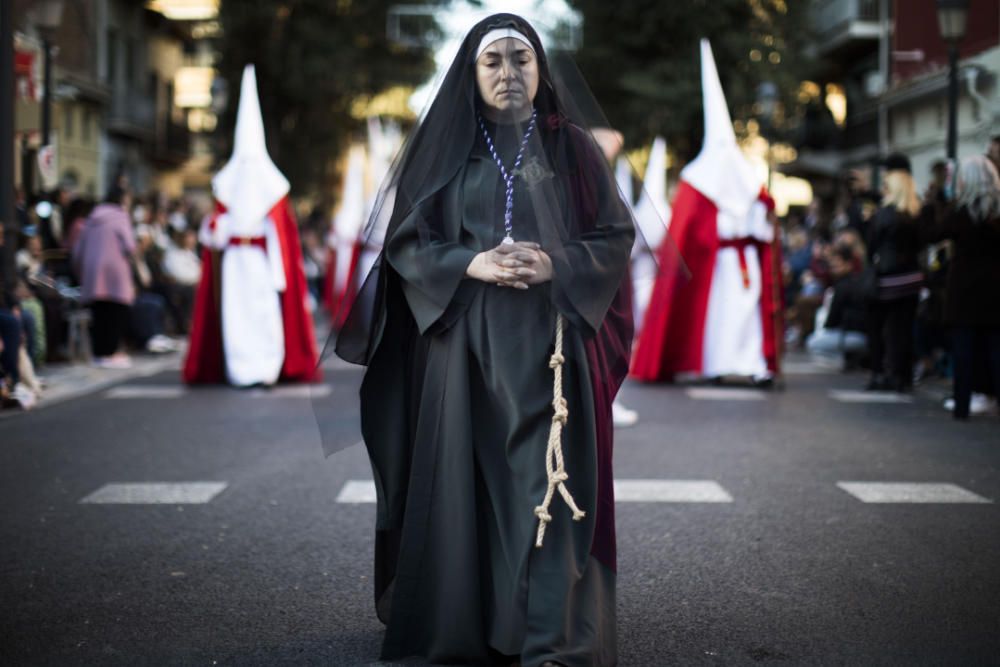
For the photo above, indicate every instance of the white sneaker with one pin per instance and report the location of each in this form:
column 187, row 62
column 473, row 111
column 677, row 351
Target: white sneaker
column 160, row 344
column 115, row 361
column 24, row 396
column 981, row 404
column 622, row 416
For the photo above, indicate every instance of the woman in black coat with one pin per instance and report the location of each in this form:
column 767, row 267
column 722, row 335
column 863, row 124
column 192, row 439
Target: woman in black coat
column 893, row 249
column 972, row 290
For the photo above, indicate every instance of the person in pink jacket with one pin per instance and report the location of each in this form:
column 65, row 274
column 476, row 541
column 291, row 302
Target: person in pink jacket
column 102, row 258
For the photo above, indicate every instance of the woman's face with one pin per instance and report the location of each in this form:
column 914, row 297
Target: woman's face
column 507, row 76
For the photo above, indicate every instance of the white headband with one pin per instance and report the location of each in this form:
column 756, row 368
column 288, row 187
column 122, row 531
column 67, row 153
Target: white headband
column 501, row 33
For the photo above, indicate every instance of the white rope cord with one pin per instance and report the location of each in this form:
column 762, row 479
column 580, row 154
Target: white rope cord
column 554, row 464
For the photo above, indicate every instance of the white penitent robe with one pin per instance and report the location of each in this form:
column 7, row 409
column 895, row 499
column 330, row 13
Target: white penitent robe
column 253, row 338
column 734, row 333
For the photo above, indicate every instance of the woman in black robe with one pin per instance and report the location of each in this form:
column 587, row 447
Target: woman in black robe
column 497, row 314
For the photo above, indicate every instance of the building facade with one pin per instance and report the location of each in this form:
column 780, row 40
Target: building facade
column 113, row 99
column 890, row 62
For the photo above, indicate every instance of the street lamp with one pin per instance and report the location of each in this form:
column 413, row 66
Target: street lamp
column 47, row 17
column 952, row 16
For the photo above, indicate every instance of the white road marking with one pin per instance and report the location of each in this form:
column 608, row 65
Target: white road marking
column 155, row 493
column 357, row 491
column 293, row 391
column 146, row 391
column 910, row 492
column 808, row 367
column 670, row 491
column 724, row 394
column 854, row 396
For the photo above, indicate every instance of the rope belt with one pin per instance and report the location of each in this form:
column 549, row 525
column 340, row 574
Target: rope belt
column 554, row 464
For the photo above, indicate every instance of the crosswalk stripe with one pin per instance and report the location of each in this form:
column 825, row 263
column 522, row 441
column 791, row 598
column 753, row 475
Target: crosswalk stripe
column 293, row 391
column 357, row 491
column 910, row 492
column 145, row 391
column 854, row 396
column 724, row 394
column 670, row 491
column 816, row 367
column 155, row 493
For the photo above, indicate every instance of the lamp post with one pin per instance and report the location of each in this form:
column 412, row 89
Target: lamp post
column 952, row 16
column 47, row 17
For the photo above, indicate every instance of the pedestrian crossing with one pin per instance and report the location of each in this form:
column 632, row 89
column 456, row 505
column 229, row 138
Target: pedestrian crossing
column 724, row 394
column 855, row 396
column 155, row 493
column 362, row 492
column 173, row 391
column 910, row 492
column 306, row 391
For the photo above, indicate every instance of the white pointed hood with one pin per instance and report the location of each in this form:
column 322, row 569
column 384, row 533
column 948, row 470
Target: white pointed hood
column 720, row 172
column 249, row 185
column 652, row 212
column 349, row 220
column 623, row 176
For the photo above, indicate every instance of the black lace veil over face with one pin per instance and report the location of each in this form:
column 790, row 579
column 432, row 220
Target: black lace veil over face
column 564, row 194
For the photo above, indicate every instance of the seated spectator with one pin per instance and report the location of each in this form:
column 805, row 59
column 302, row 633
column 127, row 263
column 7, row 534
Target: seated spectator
column 182, row 266
column 148, row 315
column 12, row 391
column 843, row 332
column 29, row 259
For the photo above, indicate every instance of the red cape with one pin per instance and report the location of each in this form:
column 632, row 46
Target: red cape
column 205, row 361
column 338, row 302
column 673, row 331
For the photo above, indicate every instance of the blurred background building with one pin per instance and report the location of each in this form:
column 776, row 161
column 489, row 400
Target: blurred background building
column 130, row 93
column 880, row 84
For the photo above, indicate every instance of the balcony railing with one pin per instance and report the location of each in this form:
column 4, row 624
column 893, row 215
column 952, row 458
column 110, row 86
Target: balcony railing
column 840, row 21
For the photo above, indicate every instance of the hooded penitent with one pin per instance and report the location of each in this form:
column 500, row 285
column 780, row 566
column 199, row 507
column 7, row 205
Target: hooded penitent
column 251, row 324
column 722, row 320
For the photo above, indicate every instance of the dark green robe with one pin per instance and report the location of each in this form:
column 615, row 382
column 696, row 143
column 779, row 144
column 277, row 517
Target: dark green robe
column 456, row 411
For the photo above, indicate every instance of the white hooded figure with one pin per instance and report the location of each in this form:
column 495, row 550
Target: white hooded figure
column 252, row 272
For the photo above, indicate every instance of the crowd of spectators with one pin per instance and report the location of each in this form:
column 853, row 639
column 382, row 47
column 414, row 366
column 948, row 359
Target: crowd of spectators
column 906, row 286
column 93, row 281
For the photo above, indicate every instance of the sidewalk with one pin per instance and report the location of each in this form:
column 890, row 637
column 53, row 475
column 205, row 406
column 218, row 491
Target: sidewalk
column 64, row 381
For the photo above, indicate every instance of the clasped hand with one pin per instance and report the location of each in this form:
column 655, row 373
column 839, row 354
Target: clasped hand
column 519, row 265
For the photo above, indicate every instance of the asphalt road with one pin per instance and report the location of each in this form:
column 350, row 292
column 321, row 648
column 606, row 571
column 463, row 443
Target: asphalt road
column 273, row 570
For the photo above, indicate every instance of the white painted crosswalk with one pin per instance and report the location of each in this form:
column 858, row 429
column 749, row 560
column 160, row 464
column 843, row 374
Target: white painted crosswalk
column 910, row 492
column 853, row 396
column 670, row 491
column 357, row 491
column 146, row 391
column 362, row 492
column 155, row 493
column 174, row 391
column 724, row 394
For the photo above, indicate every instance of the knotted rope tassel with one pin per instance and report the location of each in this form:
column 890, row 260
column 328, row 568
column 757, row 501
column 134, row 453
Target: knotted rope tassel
column 554, row 464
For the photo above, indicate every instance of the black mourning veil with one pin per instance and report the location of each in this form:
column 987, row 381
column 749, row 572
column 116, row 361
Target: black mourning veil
column 564, row 195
